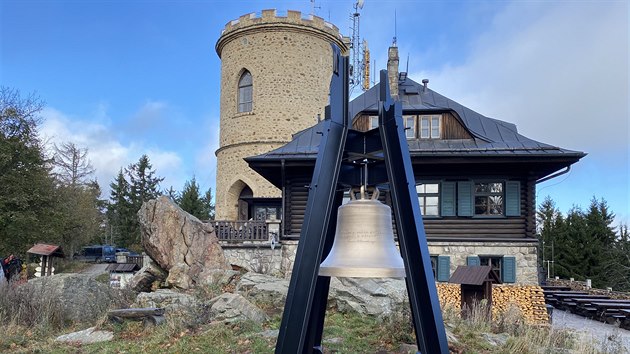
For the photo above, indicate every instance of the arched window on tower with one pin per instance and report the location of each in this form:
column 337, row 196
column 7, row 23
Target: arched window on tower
column 245, row 92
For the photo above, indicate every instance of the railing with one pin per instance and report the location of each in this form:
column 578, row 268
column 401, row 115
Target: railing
column 242, row 230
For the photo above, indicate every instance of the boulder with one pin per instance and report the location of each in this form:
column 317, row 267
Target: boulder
column 179, row 243
column 230, row 307
column 368, row 296
column 176, row 305
column 264, row 289
column 86, row 336
column 143, row 280
column 79, row 297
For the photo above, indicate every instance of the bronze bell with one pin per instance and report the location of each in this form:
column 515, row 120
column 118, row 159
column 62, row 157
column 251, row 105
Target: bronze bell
column 364, row 241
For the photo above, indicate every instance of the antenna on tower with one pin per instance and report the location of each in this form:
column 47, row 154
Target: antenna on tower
column 313, row 7
column 358, row 52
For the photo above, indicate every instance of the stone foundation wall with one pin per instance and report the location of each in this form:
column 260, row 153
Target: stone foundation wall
column 526, row 255
column 261, row 258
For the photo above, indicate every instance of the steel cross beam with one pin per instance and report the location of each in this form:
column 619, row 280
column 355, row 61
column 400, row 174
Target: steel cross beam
column 303, row 317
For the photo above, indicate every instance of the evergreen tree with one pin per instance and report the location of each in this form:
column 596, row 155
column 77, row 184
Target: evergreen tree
column 195, row 204
column 120, row 214
column 28, row 208
column 143, row 186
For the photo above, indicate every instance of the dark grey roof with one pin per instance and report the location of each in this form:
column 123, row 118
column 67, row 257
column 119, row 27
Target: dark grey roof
column 473, row 275
column 490, row 136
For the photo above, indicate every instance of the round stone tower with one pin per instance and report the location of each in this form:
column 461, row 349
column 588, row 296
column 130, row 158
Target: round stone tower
column 275, row 76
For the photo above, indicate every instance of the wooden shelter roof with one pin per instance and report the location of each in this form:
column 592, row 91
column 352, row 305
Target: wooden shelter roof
column 44, row 249
column 474, row 275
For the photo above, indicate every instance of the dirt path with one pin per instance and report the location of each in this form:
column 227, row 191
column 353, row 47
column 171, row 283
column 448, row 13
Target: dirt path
column 95, row 269
column 608, row 338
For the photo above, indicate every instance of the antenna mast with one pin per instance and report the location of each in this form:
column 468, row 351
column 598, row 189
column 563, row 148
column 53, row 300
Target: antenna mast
column 359, row 53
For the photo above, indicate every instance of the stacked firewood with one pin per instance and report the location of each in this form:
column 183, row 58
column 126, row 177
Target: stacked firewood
column 449, row 295
column 528, row 299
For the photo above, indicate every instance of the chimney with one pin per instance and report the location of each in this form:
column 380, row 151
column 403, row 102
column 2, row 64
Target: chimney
column 392, row 71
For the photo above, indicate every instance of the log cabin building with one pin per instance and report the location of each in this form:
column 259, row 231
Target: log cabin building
column 476, row 179
column 476, row 176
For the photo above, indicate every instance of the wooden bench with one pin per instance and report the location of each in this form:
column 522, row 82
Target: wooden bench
column 149, row 316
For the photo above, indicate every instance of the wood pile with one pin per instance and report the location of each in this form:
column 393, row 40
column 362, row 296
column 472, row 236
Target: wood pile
column 449, row 295
column 528, row 299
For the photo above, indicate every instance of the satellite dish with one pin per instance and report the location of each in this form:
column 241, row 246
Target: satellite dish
column 360, row 3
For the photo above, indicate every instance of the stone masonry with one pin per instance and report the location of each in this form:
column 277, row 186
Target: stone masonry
column 525, row 253
column 290, row 60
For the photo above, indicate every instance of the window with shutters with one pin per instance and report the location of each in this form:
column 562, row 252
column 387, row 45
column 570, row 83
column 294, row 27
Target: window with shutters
column 496, row 262
column 488, row 198
column 441, row 266
column 429, row 198
column 245, row 92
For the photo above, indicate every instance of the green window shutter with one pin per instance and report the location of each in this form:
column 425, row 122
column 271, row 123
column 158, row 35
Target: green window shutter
column 473, row 261
column 513, row 198
column 443, row 268
column 508, row 270
column 448, row 199
column 465, row 198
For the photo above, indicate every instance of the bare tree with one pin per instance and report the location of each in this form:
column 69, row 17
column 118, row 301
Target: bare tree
column 72, row 165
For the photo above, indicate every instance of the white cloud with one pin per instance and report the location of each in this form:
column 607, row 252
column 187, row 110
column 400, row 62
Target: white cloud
column 559, row 71
column 107, row 153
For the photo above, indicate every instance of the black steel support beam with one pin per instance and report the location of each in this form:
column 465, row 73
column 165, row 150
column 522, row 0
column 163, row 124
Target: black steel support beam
column 294, row 336
column 423, row 297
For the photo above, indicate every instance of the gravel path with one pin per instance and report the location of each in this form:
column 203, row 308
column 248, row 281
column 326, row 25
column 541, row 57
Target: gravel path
column 608, row 338
column 95, row 269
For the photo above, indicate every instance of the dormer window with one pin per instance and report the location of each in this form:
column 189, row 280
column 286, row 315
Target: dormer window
column 245, row 92
column 410, row 126
column 430, row 127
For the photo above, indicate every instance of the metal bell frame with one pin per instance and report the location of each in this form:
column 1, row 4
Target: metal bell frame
column 340, row 160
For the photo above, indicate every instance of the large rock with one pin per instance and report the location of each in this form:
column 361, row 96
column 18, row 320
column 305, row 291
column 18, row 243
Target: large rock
column 368, row 296
column 179, row 243
column 230, row 307
column 177, row 305
column 79, row 297
column 86, row 336
column 143, row 280
column 264, row 289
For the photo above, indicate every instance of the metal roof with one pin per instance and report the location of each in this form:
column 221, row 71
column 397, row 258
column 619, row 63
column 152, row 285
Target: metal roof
column 122, row 267
column 473, row 275
column 43, row 249
column 490, row 136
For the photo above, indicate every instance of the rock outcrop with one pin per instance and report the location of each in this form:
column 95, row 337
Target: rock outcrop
column 79, row 297
column 264, row 289
column 230, row 307
column 368, row 296
column 179, row 243
column 149, row 273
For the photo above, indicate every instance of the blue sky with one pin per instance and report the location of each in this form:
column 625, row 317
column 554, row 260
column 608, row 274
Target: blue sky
column 126, row 78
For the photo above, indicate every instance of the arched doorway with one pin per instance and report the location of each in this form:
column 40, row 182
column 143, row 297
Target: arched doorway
column 243, row 203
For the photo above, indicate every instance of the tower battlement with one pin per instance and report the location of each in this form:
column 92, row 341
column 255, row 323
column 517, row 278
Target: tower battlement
column 289, row 20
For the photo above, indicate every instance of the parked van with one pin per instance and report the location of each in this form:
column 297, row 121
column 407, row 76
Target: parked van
column 99, row 253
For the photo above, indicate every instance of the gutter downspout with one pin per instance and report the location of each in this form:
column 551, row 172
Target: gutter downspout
column 282, row 225
column 554, row 175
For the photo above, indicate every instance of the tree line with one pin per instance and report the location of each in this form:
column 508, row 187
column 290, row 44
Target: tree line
column 584, row 244
column 49, row 193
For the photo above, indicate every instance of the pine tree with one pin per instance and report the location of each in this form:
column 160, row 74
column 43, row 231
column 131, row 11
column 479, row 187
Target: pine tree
column 143, row 186
column 195, row 204
column 120, row 214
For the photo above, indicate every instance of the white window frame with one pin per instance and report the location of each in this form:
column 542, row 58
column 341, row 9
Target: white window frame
column 434, row 126
column 423, row 194
column 410, row 129
column 373, row 122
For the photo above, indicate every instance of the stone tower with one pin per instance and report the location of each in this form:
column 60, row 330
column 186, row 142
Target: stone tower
column 275, row 76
